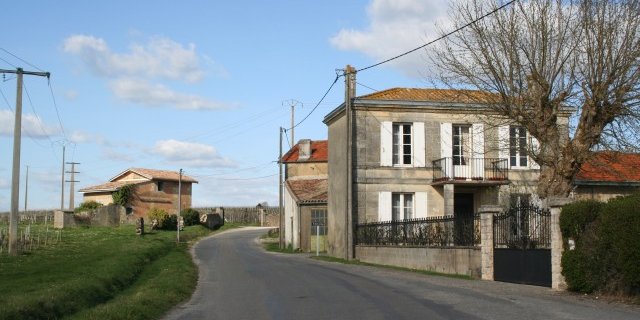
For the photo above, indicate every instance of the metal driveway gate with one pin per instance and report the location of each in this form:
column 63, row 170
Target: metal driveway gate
column 522, row 245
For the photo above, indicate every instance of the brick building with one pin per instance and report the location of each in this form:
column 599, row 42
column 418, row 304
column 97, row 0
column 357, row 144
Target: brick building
column 151, row 189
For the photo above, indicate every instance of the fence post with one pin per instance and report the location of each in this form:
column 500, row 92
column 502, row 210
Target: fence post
column 486, row 239
column 555, row 206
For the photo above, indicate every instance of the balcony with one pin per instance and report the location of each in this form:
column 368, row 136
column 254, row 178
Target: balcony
column 486, row 171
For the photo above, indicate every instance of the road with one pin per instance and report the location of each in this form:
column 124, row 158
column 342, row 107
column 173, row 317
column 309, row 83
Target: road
column 239, row 280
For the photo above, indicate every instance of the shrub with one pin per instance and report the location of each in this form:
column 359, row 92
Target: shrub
column 191, row 217
column 165, row 220
column 123, row 195
column 88, row 206
column 577, row 216
column 620, row 241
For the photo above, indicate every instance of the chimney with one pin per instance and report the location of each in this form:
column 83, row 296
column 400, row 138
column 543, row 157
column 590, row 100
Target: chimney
column 304, row 149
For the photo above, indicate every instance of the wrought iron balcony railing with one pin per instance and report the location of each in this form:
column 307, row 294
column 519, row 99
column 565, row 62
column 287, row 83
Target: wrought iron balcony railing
column 470, row 169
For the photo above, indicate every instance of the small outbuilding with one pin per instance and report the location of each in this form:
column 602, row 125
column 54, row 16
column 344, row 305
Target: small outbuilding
column 150, row 189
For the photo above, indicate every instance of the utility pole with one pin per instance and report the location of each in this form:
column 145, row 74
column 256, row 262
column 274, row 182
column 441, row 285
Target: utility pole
column 281, row 222
column 62, row 179
column 349, row 81
column 73, row 171
column 179, row 202
column 293, row 103
column 26, row 189
column 15, row 174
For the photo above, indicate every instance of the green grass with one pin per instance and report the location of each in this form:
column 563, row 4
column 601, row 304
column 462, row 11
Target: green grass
column 275, row 247
column 100, row 273
column 358, row 262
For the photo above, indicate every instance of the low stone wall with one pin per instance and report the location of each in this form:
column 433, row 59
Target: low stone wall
column 464, row 261
column 107, row 216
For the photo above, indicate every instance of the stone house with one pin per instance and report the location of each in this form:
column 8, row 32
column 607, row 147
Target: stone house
column 151, row 189
column 608, row 175
column 305, row 195
column 418, row 153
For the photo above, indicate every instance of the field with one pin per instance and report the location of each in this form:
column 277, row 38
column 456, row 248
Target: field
column 100, row 273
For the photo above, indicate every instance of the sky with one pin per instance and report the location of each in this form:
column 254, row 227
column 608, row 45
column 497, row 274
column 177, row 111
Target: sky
column 202, row 86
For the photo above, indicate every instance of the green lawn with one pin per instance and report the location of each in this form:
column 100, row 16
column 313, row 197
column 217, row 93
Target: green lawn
column 100, row 273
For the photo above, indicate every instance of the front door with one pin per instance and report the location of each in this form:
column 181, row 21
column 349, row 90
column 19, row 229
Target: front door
column 463, row 219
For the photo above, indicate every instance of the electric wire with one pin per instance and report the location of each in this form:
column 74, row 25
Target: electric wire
column 363, row 85
column 317, row 104
column 287, row 138
column 55, row 105
column 9, row 63
column 25, row 61
column 437, row 39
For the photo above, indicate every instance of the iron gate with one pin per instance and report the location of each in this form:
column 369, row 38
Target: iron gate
column 522, row 245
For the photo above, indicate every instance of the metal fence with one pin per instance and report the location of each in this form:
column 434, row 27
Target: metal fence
column 241, row 215
column 523, row 227
column 473, row 169
column 446, row 231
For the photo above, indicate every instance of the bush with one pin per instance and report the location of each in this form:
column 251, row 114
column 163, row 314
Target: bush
column 191, row 217
column 620, row 241
column 577, row 216
column 123, row 195
column 165, row 220
column 607, row 248
column 88, row 206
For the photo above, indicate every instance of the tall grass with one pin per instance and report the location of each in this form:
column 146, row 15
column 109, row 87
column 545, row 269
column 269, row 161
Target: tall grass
column 99, row 273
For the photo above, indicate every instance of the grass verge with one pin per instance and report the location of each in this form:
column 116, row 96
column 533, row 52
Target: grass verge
column 425, row 272
column 100, row 273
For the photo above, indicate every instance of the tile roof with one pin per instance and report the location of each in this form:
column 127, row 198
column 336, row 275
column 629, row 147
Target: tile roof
column 309, row 190
column 153, row 174
column 611, row 167
column 319, row 152
column 108, row 187
column 431, row 95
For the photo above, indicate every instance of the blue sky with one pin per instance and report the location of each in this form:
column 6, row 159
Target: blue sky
column 197, row 85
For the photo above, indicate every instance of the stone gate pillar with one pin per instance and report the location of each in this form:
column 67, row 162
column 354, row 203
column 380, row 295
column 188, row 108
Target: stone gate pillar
column 486, row 239
column 557, row 279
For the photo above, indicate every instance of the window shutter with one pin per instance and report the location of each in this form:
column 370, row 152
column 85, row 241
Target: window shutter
column 477, row 150
column 446, row 140
column 421, row 205
column 418, row 145
column 535, row 149
column 386, row 144
column 384, row 206
column 503, row 142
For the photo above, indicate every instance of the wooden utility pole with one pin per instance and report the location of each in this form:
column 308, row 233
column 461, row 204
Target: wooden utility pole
column 349, row 81
column 280, row 222
column 62, row 179
column 15, row 174
column 179, row 203
column 293, row 103
column 72, row 182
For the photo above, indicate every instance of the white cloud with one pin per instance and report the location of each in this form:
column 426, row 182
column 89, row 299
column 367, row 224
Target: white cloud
column 4, row 183
column 190, row 154
column 160, row 57
column 86, row 137
column 237, row 192
column 71, row 95
column 396, row 26
column 148, row 94
column 32, row 126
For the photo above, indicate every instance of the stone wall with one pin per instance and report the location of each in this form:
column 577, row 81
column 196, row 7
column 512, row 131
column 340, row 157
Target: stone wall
column 464, row 261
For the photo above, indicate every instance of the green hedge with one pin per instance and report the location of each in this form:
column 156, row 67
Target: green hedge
column 607, row 245
column 165, row 220
column 191, row 217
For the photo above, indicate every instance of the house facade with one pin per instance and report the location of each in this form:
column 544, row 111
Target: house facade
column 305, row 195
column 608, row 175
column 150, row 189
column 419, row 153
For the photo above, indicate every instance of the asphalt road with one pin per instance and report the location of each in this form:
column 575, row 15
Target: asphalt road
column 239, row 280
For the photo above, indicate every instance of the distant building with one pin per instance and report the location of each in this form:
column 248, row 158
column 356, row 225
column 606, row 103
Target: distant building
column 608, row 175
column 151, row 189
column 305, row 195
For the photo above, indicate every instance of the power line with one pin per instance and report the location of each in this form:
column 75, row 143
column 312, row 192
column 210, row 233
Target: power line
column 255, row 178
column 372, row 89
column 55, row 105
column 25, row 61
column 36, row 114
column 437, row 39
column 289, row 143
column 9, row 63
column 317, row 104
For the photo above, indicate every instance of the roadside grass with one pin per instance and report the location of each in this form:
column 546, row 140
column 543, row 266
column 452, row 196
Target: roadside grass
column 100, row 273
column 424, row 272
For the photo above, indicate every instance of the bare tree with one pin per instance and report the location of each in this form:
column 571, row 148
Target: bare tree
column 543, row 58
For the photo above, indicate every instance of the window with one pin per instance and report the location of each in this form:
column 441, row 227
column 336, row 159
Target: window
column 402, row 144
column 461, row 144
column 517, row 146
column 319, row 217
column 160, row 185
column 402, row 206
